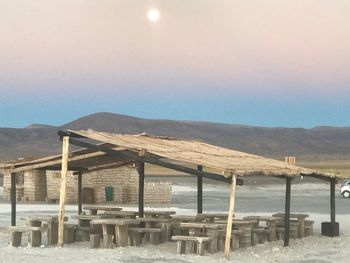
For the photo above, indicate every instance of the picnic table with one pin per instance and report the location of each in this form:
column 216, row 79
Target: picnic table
column 188, row 218
column 52, row 225
column 209, row 229
column 158, row 214
column 84, row 220
column 121, row 214
column 270, row 224
column 210, row 217
column 94, row 208
column 117, row 228
column 300, row 218
column 162, row 223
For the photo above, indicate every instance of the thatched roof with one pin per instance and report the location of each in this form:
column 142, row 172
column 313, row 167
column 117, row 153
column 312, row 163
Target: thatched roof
column 188, row 153
column 213, row 158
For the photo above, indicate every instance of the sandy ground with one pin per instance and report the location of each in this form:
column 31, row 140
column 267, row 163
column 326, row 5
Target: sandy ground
column 251, row 200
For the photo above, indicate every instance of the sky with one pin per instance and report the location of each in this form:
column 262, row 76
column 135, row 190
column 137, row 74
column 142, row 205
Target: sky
column 257, row 62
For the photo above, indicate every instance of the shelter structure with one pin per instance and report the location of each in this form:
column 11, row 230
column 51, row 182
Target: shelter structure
column 197, row 158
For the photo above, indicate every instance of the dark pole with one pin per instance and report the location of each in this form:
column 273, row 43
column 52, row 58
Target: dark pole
column 141, row 171
column 200, row 191
column 332, row 201
column 287, row 211
column 80, row 192
column 13, row 199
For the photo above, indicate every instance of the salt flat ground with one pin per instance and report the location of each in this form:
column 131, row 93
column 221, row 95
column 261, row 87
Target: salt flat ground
column 254, row 199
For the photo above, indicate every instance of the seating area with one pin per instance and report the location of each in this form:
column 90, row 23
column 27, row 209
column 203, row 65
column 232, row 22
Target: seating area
column 111, row 227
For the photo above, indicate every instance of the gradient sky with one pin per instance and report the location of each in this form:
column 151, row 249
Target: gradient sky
column 258, row 62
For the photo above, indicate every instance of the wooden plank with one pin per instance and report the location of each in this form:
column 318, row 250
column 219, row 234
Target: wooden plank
column 230, row 217
column 64, row 170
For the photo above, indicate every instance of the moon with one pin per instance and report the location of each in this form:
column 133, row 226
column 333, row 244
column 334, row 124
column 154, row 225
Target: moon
column 153, row 15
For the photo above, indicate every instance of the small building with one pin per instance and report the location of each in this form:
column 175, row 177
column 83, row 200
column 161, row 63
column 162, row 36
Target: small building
column 41, row 185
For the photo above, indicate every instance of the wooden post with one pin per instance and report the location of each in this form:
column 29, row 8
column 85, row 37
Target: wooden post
column 13, row 199
column 287, row 211
column 141, row 171
column 332, row 195
column 199, row 191
column 64, row 169
column 80, row 192
column 230, row 217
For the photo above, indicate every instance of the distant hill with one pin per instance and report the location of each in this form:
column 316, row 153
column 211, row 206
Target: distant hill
column 39, row 139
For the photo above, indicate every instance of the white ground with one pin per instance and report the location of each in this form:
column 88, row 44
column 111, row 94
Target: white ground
column 309, row 250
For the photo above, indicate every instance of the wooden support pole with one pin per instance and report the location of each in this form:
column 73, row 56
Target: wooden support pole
column 287, row 211
column 200, row 191
column 141, row 170
column 332, row 195
column 13, row 199
column 64, row 169
column 80, row 192
column 230, row 217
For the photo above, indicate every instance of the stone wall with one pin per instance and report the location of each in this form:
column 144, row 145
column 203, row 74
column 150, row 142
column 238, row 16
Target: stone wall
column 34, row 187
column 30, row 186
column 39, row 185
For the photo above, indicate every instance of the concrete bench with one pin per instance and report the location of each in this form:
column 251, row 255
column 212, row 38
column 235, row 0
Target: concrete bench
column 260, row 235
column 200, row 243
column 309, row 228
column 293, row 230
column 34, row 235
column 235, row 236
column 69, row 233
column 136, row 233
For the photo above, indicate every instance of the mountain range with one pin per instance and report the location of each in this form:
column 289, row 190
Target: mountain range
column 319, row 142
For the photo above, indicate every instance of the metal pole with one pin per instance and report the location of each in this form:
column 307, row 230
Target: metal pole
column 287, row 211
column 141, row 171
column 13, row 199
column 200, row 191
column 332, row 195
column 80, row 193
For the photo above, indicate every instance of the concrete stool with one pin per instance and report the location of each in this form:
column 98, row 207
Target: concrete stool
column 95, row 241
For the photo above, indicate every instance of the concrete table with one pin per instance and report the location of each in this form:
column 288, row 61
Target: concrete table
column 300, row 219
column 52, row 225
column 120, row 227
column 210, row 229
column 158, row 214
column 94, row 208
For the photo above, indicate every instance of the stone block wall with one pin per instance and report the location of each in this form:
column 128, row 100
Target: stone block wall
column 157, row 192
column 30, row 187
column 39, row 185
column 7, row 186
column 34, row 187
column 54, row 183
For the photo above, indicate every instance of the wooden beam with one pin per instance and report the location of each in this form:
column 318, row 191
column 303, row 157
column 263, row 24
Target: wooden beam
column 64, row 170
column 127, row 154
column 199, row 191
column 141, row 170
column 230, row 218
column 57, row 162
column 332, row 197
column 80, row 193
column 13, row 199
column 287, row 211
